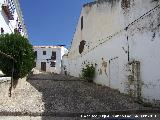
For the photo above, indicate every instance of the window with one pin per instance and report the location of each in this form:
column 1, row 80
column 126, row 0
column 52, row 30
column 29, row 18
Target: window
column 44, row 52
column 16, row 30
column 53, row 64
column 2, row 30
column 53, row 57
column 34, row 64
column 81, row 46
column 35, row 54
column 81, row 22
column 11, row 6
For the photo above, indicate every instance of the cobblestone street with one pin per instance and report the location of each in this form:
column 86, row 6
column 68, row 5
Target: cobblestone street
column 63, row 95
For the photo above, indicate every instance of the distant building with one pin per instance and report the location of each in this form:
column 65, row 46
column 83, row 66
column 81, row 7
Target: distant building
column 121, row 38
column 48, row 58
column 11, row 19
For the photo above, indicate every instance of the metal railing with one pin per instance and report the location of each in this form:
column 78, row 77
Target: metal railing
column 13, row 61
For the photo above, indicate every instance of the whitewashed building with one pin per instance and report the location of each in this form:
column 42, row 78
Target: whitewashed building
column 48, row 58
column 11, row 19
column 121, row 38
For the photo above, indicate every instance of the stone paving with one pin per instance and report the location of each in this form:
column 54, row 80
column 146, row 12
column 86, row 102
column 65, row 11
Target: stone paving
column 64, row 95
column 75, row 96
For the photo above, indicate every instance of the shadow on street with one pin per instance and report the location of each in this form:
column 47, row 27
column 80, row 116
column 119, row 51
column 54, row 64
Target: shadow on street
column 70, row 97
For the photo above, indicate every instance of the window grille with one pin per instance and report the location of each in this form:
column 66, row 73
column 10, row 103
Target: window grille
column 53, row 64
column 11, row 6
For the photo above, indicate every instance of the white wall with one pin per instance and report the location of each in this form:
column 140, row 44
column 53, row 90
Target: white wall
column 106, row 37
column 144, row 40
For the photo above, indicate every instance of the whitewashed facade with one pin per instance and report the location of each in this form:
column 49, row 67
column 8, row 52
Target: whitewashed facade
column 121, row 38
column 11, row 19
column 48, row 58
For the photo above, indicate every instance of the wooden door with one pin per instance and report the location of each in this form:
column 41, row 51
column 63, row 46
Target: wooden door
column 43, row 66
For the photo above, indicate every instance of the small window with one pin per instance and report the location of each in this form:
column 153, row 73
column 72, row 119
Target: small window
column 81, row 22
column 16, row 30
column 81, row 46
column 44, row 52
column 2, row 30
column 53, row 64
column 35, row 54
column 34, row 64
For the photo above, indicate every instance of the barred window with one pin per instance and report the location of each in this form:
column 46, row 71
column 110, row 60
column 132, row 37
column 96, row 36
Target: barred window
column 11, row 6
column 53, row 57
column 53, row 64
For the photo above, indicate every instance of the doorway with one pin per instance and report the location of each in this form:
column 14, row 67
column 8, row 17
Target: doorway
column 43, row 66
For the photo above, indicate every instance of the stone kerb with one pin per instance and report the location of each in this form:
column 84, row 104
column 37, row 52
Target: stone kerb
column 5, row 83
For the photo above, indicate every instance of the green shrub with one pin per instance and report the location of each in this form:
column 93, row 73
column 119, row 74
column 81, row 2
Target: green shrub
column 21, row 50
column 88, row 72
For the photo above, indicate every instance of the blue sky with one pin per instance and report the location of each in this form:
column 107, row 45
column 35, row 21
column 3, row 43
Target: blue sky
column 51, row 22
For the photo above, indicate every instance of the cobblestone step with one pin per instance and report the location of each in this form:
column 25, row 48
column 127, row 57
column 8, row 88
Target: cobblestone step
column 51, row 76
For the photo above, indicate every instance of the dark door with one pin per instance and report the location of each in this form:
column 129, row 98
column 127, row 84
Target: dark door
column 43, row 66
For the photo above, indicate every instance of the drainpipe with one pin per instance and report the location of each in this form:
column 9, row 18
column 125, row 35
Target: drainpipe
column 109, row 74
column 13, row 60
column 128, row 45
column 128, row 50
column 10, row 89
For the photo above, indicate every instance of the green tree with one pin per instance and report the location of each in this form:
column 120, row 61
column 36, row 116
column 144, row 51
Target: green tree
column 21, row 50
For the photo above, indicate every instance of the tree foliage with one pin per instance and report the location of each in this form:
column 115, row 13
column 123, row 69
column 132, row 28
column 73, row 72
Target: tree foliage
column 21, row 50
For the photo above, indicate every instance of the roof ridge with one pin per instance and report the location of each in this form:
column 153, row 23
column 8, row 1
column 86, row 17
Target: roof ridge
column 96, row 1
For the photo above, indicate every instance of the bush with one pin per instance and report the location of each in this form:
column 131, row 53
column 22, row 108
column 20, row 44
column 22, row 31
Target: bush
column 88, row 72
column 21, row 50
